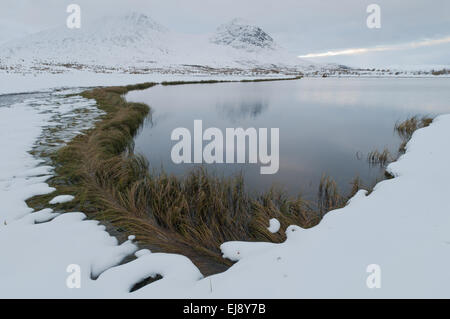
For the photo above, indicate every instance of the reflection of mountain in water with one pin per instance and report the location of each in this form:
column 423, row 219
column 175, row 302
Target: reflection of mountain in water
column 242, row 111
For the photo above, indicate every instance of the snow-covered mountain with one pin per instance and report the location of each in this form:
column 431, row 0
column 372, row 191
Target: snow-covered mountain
column 240, row 35
column 107, row 41
column 137, row 41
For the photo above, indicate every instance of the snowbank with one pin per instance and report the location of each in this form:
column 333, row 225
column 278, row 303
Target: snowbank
column 61, row 199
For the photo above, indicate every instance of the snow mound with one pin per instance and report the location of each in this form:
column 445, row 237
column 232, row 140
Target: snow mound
column 274, row 225
column 237, row 250
column 61, row 199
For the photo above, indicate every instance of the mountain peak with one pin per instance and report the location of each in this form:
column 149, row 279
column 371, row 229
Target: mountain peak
column 238, row 21
column 239, row 34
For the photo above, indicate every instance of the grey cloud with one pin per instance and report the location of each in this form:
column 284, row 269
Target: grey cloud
column 302, row 26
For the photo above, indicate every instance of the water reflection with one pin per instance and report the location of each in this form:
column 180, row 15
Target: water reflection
column 244, row 110
column 326, row 125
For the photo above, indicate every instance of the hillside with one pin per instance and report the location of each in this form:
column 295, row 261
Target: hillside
column 135, row 41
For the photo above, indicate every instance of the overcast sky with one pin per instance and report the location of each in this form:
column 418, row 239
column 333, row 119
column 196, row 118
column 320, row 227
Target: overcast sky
column 412, row 31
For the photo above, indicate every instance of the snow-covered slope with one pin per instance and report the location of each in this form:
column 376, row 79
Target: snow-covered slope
column 10, row 30
column 240, row 35
column 243, row 44
column 137, row 41
column 108, row 41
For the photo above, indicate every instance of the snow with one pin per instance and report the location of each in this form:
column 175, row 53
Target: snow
column 61, row 199
column 178, row 272
column 419, row 67
column 238, row 250
column 274, row 225
column 240, row 35
column 19, row 177
column 142, row 252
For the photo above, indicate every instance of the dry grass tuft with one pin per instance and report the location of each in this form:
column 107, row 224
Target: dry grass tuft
column 405, row 131
column 380, row 158
column 329, row 196
column 406, row 128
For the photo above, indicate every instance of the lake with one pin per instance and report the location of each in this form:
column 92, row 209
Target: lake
column 326, row 125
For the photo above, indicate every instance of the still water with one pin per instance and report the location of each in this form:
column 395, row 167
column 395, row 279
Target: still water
column 326, row 125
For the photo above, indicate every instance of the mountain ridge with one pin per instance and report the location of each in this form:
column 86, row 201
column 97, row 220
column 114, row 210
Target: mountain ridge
column 136, row 40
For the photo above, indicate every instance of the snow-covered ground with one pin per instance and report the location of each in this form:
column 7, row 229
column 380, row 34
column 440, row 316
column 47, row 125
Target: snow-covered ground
column 402, row 226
